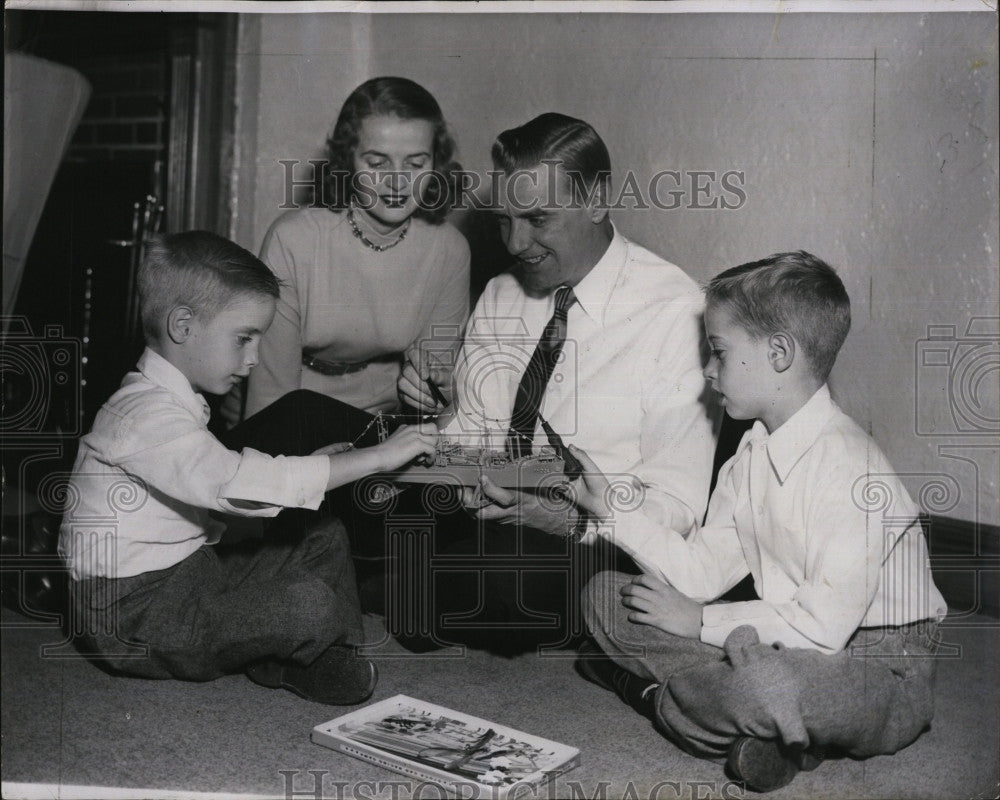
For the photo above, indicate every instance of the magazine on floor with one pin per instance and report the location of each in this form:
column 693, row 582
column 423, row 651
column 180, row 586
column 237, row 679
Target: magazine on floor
column 456, row 751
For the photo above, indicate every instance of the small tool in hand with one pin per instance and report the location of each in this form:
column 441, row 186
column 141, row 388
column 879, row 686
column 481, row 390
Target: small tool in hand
column 436, row 392
column 571, row 466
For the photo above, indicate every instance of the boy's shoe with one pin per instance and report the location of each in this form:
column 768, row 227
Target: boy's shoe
column 593, row 665
column 338, row 677
column 596, row 667
column 762, row 764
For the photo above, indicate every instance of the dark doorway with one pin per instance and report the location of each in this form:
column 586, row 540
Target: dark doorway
column 159, row 123
column 156, row 126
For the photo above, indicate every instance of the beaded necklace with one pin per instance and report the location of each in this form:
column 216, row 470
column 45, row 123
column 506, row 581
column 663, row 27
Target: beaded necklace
column 378, row 248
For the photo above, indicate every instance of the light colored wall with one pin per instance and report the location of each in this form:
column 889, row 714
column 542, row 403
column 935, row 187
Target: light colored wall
column 868, row 139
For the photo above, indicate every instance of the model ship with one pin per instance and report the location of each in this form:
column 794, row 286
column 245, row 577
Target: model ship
column 463, row 465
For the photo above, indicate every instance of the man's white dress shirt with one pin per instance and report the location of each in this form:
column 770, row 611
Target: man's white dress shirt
column 629, row 389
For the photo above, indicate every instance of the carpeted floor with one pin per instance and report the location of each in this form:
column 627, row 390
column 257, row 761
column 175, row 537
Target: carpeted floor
column 68, row 728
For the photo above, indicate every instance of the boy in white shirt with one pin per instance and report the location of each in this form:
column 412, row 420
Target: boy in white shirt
column 152, row 594
column 837, row 654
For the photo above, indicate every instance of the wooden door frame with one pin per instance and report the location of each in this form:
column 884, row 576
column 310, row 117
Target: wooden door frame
column 201, row 133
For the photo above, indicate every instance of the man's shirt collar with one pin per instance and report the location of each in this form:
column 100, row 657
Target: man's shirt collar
column 594, row 291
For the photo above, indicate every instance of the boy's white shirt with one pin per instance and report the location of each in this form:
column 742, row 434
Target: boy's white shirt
column 149, row 472
column 816, row 514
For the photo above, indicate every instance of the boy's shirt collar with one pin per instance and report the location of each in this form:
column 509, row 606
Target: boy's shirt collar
column 158, row 370
column 793, row 439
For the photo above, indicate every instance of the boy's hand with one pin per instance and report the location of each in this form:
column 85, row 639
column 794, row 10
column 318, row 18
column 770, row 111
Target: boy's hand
column 591, row 490
column 473, row 500
column 406, row 443
column 486, row 500
column 660, row 605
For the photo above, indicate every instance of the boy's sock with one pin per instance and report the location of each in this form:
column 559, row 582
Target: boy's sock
column 596, row 667
column 338, row 677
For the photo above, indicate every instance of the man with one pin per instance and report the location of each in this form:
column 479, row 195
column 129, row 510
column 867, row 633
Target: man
column 620, row 376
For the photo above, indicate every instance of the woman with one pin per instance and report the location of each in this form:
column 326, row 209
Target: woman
column 374, row 279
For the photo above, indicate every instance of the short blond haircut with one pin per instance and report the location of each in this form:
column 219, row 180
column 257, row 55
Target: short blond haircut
column 793, row 292
column 200, row 270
